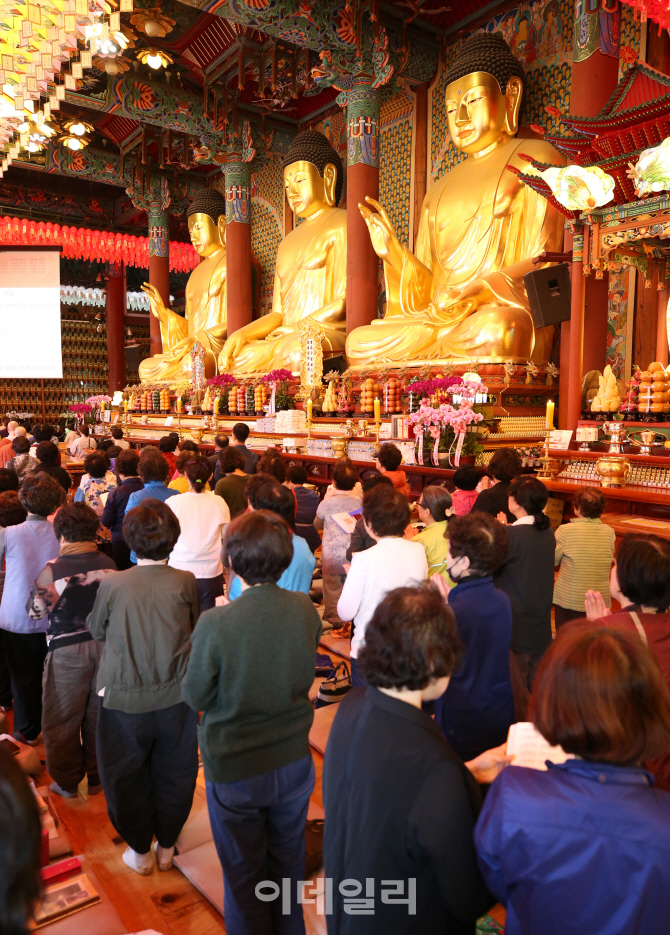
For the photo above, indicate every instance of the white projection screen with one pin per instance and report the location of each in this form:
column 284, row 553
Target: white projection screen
column 30, row 335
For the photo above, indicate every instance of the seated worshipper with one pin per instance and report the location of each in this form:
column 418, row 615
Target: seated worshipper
column 12, row 512
column 8, row 480
column 203, row 518
column 584, row 846
column 7, row 452
column 26, row 549
column 112, row 454
column 184, row 447
column 503, row 467
column 240, row 435
column 117, row 500
column 117, row 434
column 527, row 576
column 21, row 463
column 95, row 486
column 167, row 446
column 335, row 539
column 7, row 438
column 250, row 672
column 43, row 433
column 272, row 463
column 360, row 540
column 65, row 590
column 464, row 496
column 280, row 500
column 221, row 442
column 147, row 736
column 4, row 431
column 47, row 454
column 434, row 509
column 477, row 709
column 233, row 480
column 20, row 854
column 640, row 582
column 357, row 489
column 70, row 434
column 401, row 804
column 179, row 481
column 584, row 553
column 387, row 462
column 82, row 443
column 153, row 471
column 392, row 562
column 307, row 501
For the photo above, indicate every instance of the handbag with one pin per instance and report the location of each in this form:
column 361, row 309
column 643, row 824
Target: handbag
column 324, row 666
column 335, row 688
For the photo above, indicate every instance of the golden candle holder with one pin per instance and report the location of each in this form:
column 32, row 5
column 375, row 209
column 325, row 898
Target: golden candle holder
column 550, row 466
column 308, row 426
column 377, row 430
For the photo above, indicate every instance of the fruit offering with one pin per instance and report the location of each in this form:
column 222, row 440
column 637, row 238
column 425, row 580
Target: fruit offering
column 260, row 396
column 143, row 402
column 156, row 401
column 392, row 395
column 653, row 395
column 241, row 399
column 607, row 398
column 232, row 400
column 369, row 392
column 330, row 399
column 165, row 400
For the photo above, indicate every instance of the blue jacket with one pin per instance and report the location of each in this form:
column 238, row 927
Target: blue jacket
column 115, row 507
column 298, row 575
column 153, row 489
column 477, row 708
column 581, row 848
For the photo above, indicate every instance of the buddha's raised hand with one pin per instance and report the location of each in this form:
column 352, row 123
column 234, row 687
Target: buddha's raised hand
column 382, row 232
column 156, row 302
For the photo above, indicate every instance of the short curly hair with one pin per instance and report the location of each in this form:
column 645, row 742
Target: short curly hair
column 208, row 201
column 47, row 453
column 312, row 146
column 590, row 501
column 126, row 463
column 151, row 530
column 254, row 484
column 487, row 52
column 41, row 494
column 96, row 464
column 76, row 522
column 386, row 511
column 12, row 511
column 410, row 640
column 481, row 538
column 8, row 480
column 231, row 459
column 389, row 456
column 505, row 465
column 152, row 465
column 259, row 547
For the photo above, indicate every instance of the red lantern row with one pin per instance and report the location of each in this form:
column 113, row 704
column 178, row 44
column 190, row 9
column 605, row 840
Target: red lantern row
column 657, row 10
column 80, row 243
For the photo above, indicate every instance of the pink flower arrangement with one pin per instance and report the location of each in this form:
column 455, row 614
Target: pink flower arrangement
column 277, row 376
column 80, row 409
column 223, row 379
column 95, row 401
column 447, row 416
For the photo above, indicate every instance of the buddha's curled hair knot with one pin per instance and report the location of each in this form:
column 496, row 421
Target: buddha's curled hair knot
column 312, row 146
column 486, row 52
column 208, row 201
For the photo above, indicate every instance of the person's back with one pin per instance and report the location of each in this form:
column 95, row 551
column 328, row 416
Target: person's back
column 259, row 712
column 231, row 489
column 584, row 549
column 527, row 578
column 335, row 540
column 239, row 439
column 463, row 501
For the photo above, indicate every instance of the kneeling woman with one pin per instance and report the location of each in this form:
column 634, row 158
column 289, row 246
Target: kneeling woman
column 401, row 804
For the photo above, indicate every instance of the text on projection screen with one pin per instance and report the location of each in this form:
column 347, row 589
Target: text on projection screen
column 30, row 333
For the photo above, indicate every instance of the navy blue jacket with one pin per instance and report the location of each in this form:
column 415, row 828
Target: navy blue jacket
column 477, row 708
column 583, row 847
column 115, row 507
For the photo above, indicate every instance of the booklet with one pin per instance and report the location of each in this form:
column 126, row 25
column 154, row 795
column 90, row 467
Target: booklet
column 345, row 521
column 529, row 748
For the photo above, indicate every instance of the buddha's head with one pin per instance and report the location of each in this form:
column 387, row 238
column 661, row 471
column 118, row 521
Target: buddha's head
column 207, row 221
column 312, row 174
column 484, row 88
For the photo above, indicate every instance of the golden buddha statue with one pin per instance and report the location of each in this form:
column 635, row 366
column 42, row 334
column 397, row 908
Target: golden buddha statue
column 205, row 318
column 311, row 269
column 462, row 295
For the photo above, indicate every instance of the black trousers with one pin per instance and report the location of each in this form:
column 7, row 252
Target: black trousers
column 26, row 653
column 209, row 589
column 148, row 765
column 5, row 679
column 121, row 555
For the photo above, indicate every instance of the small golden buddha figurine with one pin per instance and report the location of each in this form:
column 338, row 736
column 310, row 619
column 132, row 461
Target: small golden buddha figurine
column 462, row 295
column 311, row 270
column 205, row 318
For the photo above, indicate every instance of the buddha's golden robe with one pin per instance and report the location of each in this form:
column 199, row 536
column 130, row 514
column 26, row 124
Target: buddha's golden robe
column 204, row 322
column 462, row 295
column 310, row 280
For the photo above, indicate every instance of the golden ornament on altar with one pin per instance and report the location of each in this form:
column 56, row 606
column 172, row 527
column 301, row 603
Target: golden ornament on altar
column 311, row 270
column 462, row 295
column 205, row 318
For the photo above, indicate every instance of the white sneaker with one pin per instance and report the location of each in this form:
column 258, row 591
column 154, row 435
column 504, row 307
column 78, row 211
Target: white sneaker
column 164, row 857
column 140, row 863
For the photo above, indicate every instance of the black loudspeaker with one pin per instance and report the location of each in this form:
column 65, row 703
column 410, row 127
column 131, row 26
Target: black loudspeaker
column 132, row 356
column 549, row 293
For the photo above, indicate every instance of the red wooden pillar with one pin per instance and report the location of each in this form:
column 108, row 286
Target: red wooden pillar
column 595, row 73
column 362, row 181
column 662, row 326
column 159, row 270
column 238, row 242
column 115, row 307
column 576, row 333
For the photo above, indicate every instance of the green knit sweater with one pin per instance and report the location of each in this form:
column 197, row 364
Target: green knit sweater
column 250, row 671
